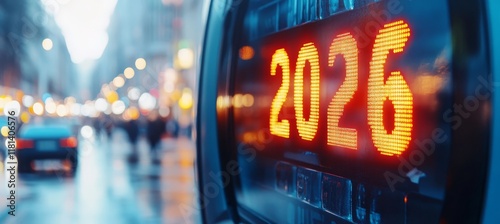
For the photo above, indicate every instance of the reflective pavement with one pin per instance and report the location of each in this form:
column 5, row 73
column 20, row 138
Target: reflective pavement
column 108, row 189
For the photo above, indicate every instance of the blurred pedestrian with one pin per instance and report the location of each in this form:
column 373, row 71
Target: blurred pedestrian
column 132, row 129
column 96, row 123
column 108, row 126
column 172, row 127
column 155, row 130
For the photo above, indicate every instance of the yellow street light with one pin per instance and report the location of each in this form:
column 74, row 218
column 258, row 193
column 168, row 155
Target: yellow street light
column 186, row 100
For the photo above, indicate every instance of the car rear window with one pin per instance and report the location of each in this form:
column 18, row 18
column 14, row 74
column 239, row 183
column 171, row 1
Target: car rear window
column 42, row 131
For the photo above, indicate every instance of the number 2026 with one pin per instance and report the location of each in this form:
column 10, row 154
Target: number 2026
column 392, row 37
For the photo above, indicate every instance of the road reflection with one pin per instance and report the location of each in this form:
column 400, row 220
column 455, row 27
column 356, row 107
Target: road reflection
column 108, row 189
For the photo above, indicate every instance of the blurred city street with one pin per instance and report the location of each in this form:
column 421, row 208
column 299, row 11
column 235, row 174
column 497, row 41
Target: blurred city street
column 105, row 92
column 109, row 189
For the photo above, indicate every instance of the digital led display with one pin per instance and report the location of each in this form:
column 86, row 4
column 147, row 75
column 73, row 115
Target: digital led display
column 394, row 90
column 337, row 108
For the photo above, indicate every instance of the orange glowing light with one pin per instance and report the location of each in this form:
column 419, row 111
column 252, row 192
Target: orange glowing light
column 280, row 128
column 395, row 89
column 307, row 129
column 246, row 53
column 70, row 142
column 344, row 45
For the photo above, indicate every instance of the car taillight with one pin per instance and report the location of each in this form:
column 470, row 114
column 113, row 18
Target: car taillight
column 24, row 143
column 70, row 142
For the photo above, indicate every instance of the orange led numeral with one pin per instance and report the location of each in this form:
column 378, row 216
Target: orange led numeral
column 307, row 128
column 280, row 128
column 395, row 89
column 344, row 45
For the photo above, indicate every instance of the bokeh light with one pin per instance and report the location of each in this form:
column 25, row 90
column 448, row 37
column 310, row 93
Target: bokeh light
column 88, row 109
column 185, row 58
column 129, row 73
column 46, row 96
column 70, row 100
column 140, row 64
column 147, row 102
column 50, row 106
column 61, row 110
column 118, row 81
column 25, row 117
column 247, row 100
column 186, row 100
column 5, row 131
column 28, row 100
column 133, row 113
column 75, row 109
column 237, row 101
column 47, row 44
column 112, row 97
column 246, row 53
column 118, row 107
column 38, row 108
column 87, row 131
column 14, row 106
column 101, row 105
column 134, row 94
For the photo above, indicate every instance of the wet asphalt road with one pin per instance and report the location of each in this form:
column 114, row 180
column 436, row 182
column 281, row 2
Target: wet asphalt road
column 109, row 189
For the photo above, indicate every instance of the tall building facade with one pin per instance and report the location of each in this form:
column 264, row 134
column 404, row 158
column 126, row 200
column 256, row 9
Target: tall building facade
column 33, row 53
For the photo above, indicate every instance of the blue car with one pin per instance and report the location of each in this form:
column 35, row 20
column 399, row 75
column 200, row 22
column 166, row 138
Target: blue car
column 42, row 145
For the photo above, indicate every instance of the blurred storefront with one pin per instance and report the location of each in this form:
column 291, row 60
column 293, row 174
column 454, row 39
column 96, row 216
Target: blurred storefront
column 34, row 59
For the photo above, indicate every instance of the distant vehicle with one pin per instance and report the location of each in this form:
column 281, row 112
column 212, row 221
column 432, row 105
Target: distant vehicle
column 46, row 146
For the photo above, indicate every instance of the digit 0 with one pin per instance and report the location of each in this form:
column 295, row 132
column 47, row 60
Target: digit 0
column 307, row 128
column 392, row 37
